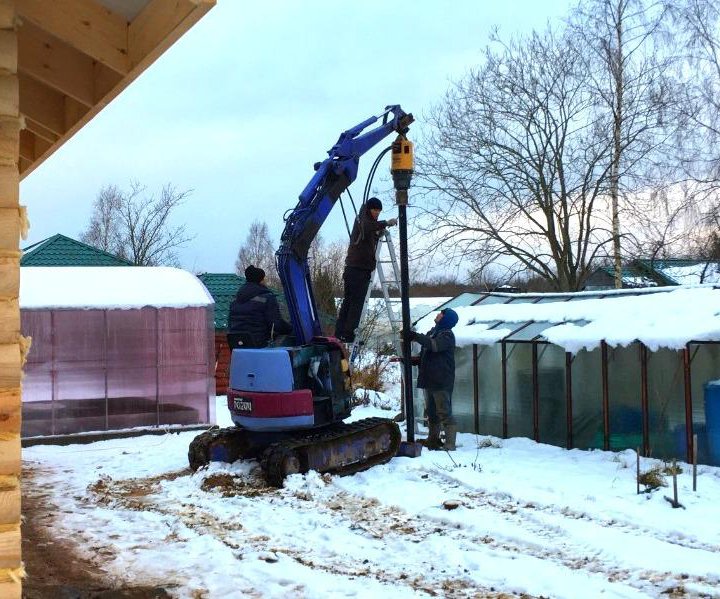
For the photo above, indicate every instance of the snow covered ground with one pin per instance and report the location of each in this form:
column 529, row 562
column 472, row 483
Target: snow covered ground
column 530, row 518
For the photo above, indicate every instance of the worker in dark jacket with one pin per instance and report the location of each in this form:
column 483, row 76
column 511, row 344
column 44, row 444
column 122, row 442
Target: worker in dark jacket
column 359, row 266
column 436, row 376
column 254, row 317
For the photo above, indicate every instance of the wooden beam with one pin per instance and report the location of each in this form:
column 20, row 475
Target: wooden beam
column 83, row 24
column 10, row 589
column 8, row 51
column 57, row 65
column 10, row 547
column 10, row 494
column 27, row 144
column 42, row 104
column 109, row 84
column 160, row 24
column 48, row 107
column 40, row 131
column 32, row 147
column 9, row 136
column 74, row 112
column 105, row 81
column 9, row 86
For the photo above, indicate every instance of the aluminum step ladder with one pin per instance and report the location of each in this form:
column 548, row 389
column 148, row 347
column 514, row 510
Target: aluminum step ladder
column 387, row 272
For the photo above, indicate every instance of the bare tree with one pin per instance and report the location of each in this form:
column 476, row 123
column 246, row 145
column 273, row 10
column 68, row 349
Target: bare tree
column 698, row 141
column 103, row 231
column 628, row 69
column 698, row 22
column 136, row 226
column 326, row 262
column 517, row 163
column 667, row 223
column 707, row 244
column 258, row 250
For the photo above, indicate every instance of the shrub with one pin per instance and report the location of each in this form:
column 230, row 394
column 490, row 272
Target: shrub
column 652, row 479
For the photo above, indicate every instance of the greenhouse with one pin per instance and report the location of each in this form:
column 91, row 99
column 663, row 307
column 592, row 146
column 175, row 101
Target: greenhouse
column 115, row 348
column 611, row 370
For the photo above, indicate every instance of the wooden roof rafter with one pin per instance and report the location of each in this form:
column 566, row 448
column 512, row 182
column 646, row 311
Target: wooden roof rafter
column 75, row 56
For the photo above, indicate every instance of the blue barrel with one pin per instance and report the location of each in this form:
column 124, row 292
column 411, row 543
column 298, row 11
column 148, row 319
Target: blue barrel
column 712, row 421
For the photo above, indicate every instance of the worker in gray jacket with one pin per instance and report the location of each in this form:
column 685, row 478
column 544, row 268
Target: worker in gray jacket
column 436, row 376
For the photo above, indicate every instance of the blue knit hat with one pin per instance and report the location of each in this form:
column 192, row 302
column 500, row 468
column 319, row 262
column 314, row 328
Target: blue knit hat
column 449, row 319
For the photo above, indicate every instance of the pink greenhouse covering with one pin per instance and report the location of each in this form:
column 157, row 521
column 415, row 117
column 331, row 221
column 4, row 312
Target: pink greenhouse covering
column 116, row 366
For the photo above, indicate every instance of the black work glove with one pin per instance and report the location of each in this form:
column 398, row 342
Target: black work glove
column 408, row 334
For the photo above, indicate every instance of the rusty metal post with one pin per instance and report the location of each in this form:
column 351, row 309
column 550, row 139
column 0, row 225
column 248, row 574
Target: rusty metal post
column 690, row 445
column 644, row 400
column 476, row 389
column 504, row 390
column 535, row 394
column 568, row 399
column 605, row 397
column 694, row 462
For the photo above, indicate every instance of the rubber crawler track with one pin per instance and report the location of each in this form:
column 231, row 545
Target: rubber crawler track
column 299, row 451
column 294, row 454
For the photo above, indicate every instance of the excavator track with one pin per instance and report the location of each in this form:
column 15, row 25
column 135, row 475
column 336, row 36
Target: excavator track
column 220, row 445
column 339, row 449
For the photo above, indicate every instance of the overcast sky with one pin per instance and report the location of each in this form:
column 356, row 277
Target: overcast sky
column 240, row 108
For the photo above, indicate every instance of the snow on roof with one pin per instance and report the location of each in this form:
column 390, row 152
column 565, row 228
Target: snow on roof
column 693, row 273
column 119, row 287
column 666, row 317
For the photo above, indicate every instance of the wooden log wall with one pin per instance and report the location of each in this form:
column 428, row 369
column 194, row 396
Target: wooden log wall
column 13, row 347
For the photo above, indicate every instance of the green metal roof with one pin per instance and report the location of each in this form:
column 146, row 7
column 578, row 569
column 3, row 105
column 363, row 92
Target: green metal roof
column 661, row 266
column 636, row 275
column 60, row 250
column 222, row 287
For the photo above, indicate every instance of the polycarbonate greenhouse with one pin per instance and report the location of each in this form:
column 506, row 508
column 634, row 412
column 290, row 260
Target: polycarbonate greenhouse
column 115, row 348
column 609, row 370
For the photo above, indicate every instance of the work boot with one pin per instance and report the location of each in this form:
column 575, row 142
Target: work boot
column 450, row 434
column 433, row 440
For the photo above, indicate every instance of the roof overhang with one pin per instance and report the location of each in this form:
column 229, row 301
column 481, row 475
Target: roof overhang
column 75, row 56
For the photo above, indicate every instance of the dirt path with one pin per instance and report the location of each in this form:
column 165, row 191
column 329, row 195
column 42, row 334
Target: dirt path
column 54, row 568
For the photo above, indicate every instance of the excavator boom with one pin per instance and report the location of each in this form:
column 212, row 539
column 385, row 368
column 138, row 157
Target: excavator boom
column 289, row 403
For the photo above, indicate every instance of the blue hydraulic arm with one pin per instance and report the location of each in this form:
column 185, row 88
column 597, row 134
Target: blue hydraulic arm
column 333, row 176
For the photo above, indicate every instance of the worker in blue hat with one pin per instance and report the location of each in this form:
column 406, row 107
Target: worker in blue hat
column 436, row 377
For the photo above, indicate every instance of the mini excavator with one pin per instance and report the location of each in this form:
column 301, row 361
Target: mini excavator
column 288, row 403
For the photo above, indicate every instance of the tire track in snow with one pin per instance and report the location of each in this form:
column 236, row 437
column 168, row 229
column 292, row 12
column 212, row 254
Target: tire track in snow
column 370, row 517
column 505, row 502
column 525, row 516
column 122, row 494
